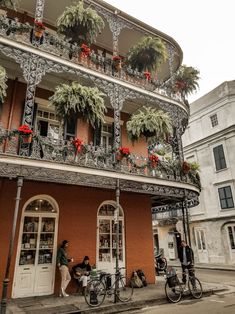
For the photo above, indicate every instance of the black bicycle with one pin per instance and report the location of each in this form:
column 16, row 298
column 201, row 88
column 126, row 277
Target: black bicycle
column 98, row 288
column 174, row 289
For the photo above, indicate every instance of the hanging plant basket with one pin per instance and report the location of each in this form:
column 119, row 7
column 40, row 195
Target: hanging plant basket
column 76, row 100
column 147, row 54
column 149, row 123
column 80, row 24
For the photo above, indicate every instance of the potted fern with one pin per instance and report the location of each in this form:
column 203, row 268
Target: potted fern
column 151, row 123
column 3, row 85
column 78, row 100
column 80, row 25
column 147, row 54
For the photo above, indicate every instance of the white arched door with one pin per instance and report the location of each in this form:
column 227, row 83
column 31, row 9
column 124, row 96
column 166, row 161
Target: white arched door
column 36, row 254
column 107, row 238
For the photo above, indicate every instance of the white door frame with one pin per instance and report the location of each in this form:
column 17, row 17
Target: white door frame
column 106, row 265
column 24, row 214
column 202, row 251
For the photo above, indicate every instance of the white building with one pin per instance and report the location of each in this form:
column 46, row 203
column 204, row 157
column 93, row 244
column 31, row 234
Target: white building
column 210, row 141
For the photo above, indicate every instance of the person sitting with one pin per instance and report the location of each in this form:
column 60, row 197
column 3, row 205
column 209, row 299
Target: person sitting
column 82, row 271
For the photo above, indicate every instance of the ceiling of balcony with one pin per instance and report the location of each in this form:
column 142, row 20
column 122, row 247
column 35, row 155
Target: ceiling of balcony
column 128, row 37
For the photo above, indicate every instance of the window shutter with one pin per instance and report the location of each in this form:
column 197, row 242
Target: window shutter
column 70, row 128
column 220, row 162
column 97, row 135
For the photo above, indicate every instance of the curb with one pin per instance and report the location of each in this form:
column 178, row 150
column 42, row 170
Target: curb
column 135, row 305
column 208, row 267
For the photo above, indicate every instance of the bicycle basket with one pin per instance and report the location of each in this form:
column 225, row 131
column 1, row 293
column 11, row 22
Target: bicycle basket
column 172, row 281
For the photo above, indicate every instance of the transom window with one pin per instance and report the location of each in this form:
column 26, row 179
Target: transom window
column 214, row 120
column 226, row 197
column 220, row 162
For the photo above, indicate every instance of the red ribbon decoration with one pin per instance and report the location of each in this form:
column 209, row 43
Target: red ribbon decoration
column 78, row 145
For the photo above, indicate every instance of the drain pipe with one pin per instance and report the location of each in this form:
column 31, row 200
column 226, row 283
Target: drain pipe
column 11, row 245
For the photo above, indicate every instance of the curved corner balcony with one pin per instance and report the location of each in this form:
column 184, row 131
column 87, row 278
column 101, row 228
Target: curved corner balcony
column 57, row 46
column 59, row 161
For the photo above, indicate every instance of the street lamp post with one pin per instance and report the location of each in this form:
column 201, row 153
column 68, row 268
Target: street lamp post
column 11, row 245
column 116, row 222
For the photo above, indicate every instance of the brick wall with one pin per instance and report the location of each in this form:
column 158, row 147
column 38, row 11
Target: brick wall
column 77, row 223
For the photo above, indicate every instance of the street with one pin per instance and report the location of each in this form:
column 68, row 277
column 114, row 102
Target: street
column 219, row 303
column 215, row 304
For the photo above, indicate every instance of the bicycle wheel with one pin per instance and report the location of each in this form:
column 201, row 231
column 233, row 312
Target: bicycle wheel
column 95, row 293
column 173, row 294
column 195, row 287
column 124, row 292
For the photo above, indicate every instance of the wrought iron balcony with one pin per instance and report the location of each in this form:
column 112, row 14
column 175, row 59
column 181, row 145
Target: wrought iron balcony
column 168, row 217
column 59, row 46
column 86, row 155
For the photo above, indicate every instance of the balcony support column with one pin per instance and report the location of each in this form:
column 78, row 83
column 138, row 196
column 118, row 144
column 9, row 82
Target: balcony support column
column 117, row 95
column 11, row 246
column 39, row 10
column 171, row 53
column 33, row 76
column 177, row 146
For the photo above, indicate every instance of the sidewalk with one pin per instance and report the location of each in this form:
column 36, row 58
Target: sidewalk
column 151, row 295
column 225, row 267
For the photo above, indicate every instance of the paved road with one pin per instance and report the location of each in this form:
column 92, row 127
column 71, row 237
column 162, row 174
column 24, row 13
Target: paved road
column 216, row 276
column 220, row 303
column 216, row 304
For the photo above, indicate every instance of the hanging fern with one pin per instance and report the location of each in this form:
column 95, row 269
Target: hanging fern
column 151, row 123
column 184, row 81
column 3, row 85
column 11, row 4
column 80, row 24
column 147, row 54
column 75, row 99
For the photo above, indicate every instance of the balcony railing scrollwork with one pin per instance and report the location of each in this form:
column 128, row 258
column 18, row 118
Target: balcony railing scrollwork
column 60, row 46
column 96, row 157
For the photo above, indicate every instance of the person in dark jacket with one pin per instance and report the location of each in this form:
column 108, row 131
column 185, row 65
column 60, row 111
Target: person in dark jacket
column 62, row 263
column 186, row 257
column 82, row 272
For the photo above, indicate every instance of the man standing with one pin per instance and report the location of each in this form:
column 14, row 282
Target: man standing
column 186, row 257
column 62, row 263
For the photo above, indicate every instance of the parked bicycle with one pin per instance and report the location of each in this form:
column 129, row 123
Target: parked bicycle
column 98, row 288
column 174, row 289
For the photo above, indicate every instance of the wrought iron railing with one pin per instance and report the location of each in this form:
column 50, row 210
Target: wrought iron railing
column 87, row 155
column 59, row 46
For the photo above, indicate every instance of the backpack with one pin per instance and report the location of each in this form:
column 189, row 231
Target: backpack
column 136, row 281
column 142, row 277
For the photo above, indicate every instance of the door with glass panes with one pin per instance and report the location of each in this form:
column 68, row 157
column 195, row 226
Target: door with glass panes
column 107, row 240
column 36, row 254
column 201, row 245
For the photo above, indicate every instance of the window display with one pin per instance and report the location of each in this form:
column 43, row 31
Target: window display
column 108, row 240
column 37, row 241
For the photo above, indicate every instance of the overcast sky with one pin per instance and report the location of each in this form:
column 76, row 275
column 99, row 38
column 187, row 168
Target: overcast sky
column 205, row 30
